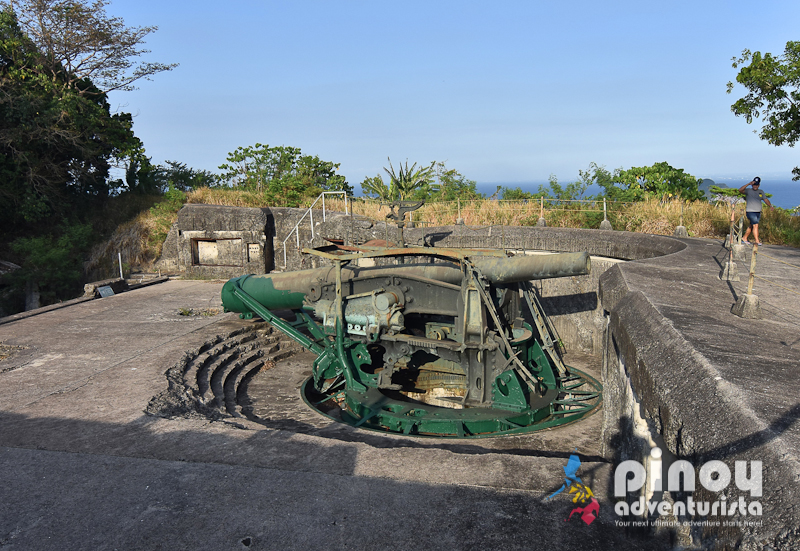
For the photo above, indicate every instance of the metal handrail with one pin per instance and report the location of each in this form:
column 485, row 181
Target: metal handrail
column 310, row 214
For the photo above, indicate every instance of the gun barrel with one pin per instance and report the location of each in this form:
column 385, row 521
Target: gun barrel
column 288, row 290
column 530, row 267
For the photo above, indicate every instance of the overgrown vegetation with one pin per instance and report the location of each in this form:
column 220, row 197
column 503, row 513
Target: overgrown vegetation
column 634, row 184
column 431, row 183
column 59, row 139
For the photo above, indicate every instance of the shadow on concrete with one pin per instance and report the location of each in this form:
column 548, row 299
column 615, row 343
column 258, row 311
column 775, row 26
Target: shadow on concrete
column 625, row 445
column 569, row 304
column 721, row 266
column 758, row 439
column 149, row 437
column 430, row 239
column 92, row 501
column 524, row 446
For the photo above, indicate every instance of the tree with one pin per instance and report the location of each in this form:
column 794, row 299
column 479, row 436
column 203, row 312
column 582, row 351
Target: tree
column 144, row 178
column 79, row 41
column 374, row 186
column 773, row 85
column 185, row 178
column 283, row 174
column 595, row 174
column 56, row 139
column 636, row 183
column 403, row 182
column 449, row 185
column 50, row 261
column 517, row 194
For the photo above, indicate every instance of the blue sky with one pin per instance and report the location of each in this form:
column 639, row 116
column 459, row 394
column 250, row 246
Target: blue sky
column 502, row 91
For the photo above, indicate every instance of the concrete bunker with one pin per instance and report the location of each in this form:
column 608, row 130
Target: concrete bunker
column 215, row 241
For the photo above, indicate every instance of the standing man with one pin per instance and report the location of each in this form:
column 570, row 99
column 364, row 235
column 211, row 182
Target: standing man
column 754, row 197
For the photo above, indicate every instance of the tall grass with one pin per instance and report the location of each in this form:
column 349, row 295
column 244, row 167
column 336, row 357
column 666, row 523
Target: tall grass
column 652, row 216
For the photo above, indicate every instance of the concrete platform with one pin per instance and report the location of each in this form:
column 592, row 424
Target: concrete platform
column 82, row 467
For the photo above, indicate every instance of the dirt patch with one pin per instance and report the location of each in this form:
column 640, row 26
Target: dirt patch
column 7, row 351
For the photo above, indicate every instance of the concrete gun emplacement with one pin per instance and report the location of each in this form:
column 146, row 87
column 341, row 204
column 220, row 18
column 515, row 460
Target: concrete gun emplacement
column 455, row 345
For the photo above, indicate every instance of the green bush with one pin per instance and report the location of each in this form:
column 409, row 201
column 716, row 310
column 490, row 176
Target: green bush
column 53, row 262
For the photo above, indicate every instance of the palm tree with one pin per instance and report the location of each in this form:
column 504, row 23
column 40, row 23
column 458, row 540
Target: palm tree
column 406, row 180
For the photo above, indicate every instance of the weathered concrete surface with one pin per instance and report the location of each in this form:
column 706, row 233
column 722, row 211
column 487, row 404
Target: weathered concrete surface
column 713, row 385
column 82, row 467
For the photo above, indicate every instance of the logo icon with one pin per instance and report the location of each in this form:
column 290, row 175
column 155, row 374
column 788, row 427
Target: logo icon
column 590, row 507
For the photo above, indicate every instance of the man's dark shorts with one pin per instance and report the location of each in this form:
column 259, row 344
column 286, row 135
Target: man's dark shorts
column 754, row 217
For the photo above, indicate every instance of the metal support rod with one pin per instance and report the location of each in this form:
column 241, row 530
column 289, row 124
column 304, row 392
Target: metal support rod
column 605, row 214
column 311, row 217
column 119, row 256
column 681, row 213
column 541, row 207
column 323, row 207
column 730, row 240
column 752, row 269
column 730, row 233
column 739, row 232
column 339, row 311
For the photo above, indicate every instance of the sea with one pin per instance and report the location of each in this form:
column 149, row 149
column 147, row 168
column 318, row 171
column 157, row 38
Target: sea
column 785, row 193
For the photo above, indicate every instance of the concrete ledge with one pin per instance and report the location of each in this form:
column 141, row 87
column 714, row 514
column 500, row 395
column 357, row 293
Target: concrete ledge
column 43, row 309
column 90, row 293
column 147, row 282
column 711, row 385
column 117, row 285
column 611, row 244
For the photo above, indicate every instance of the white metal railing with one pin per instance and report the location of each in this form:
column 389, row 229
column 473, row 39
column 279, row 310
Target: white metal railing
column 310, row 214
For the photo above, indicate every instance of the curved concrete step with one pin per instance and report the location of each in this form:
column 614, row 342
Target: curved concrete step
column 199, row 375
column 224, row 380
column 208, row 379
column 206, row 374
column 237, row 401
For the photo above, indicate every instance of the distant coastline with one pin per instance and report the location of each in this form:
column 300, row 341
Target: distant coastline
column 785, row 193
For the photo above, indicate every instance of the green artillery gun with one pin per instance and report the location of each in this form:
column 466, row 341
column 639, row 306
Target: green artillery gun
column 455, row 345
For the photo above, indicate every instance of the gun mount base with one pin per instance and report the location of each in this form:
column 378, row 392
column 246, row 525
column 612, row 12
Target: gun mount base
column 577, row 396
